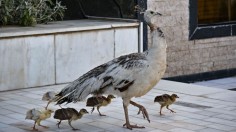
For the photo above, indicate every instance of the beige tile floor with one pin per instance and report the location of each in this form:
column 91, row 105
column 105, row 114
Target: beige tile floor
column 199, row 109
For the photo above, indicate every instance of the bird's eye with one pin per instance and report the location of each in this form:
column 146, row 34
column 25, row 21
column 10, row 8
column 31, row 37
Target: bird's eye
column 151, row 12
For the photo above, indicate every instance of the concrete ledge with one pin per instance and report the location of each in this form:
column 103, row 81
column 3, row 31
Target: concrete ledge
column 63, row 26
column 62, row 51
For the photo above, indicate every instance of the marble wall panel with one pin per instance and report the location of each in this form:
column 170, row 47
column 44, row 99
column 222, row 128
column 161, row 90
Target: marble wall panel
column 78, row 52
column 126, row 41
column 26, row 62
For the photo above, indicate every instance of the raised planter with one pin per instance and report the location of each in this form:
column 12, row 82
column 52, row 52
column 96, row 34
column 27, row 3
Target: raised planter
column 61, row 51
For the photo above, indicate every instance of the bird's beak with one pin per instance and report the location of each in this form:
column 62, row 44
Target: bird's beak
column 177, row 97
column 158, row 14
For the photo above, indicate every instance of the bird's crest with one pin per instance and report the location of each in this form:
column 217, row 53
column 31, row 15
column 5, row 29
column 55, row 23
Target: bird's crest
column 139, row 9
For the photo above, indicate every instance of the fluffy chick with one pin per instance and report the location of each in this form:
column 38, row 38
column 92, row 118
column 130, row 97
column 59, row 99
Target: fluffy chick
column 69, row 114
column 166, row 100
column 38, row 116
column 50, row 96
column 99, row 102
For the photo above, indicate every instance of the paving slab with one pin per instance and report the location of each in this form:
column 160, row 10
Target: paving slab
column 199, row 109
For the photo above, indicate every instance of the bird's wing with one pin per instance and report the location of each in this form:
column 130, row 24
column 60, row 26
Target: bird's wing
column 93, row 101
column 118, row 73
column 33, row 114
column 162, row 99
column 74, row 111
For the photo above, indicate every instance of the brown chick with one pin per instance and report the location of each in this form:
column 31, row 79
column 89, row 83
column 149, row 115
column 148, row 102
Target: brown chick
column 50, row 96
column 99, row 102
column 69, row 114
column 38, row 116
column 166, row 100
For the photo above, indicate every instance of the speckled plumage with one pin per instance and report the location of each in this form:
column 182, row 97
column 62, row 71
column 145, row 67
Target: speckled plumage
column 99, row 101
column 166, row 100
column 69, row 114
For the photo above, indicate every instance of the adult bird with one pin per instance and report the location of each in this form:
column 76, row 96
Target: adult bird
column 127, row 76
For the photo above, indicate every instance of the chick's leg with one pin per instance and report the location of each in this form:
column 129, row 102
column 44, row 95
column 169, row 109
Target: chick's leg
column 69, row 122
column 170, row 109
column 99, row 111
column 47, row 105
column 161, row 109
column 34, row 129
column 92, row 110
column 141, row 108
column 127, row 124
column 38, row 122
column 58, row 124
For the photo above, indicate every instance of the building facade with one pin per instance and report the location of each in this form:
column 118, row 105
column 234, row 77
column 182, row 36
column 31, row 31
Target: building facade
column 196, row 56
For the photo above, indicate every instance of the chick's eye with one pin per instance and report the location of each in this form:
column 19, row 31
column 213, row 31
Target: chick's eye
column 152, row 12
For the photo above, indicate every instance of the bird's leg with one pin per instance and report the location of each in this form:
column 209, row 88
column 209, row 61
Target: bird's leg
column 38, row 122
column 47, row 105
column 69, row 122
column 171, row 111
column 141, row 108
column 161, row 109
column 92, row 110
column 34, row 129
column 58, row 124
column 99, row 111
column 127, row 124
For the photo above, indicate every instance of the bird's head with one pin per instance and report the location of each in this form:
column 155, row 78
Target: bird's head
column 83, row 111
column 49, row 111
column 148, row 15
column 175, row 95
column 111, row 96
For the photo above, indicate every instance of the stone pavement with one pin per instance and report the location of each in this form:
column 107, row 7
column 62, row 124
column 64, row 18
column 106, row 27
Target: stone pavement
column 223, row 83
column 199, row 109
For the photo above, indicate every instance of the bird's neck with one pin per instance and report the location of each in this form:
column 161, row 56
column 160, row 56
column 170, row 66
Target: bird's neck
column 173, row 99
column 79, row 115
column 109, row 100
column 152, row 27
column 157, row 42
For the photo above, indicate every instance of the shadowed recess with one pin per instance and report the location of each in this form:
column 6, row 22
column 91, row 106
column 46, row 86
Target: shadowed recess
column 192, row 105
column 232, row 89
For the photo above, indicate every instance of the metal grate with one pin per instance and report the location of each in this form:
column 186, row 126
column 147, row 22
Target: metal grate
column 191, row 105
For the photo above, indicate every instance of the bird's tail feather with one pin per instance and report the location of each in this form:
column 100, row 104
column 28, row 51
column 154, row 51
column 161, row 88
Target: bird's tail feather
column 78, row 90
column 68, row 96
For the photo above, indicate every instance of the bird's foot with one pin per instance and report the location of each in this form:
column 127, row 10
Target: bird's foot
column 161, row 114
column 34, row 129
column 75, row 129
column 171, row 111
column 132, row 126
column 102, row 115
column 141, row 109
column 58, row 125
